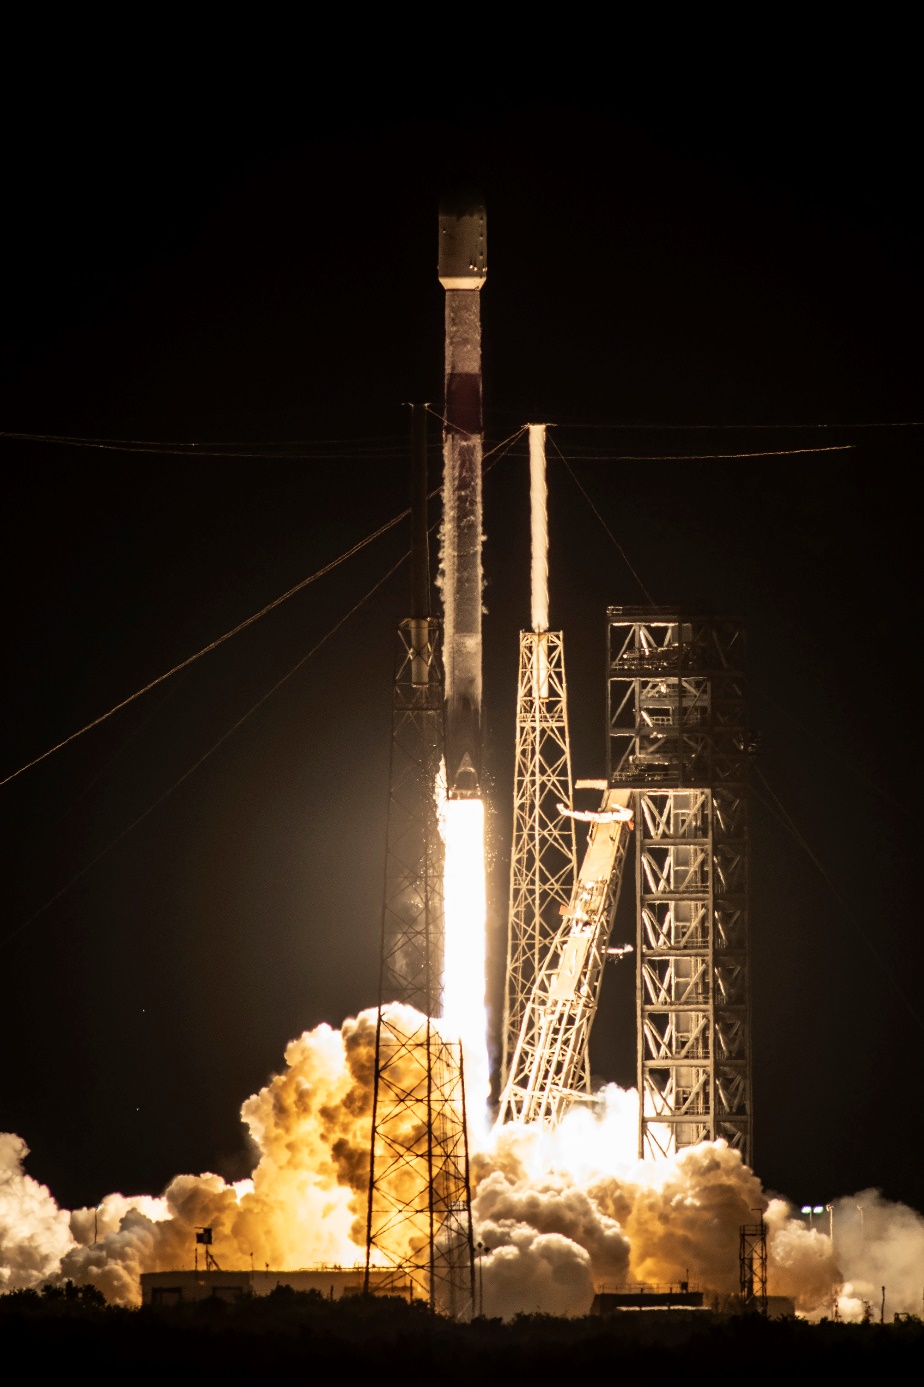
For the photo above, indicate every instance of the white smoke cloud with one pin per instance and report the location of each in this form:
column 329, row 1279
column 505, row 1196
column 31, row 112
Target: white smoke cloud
column 556, row 1213
column 34, row 1232
column 879, row 1244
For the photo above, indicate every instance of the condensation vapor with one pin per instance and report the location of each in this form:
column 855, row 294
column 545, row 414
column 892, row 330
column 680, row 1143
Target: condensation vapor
column 558, row 1212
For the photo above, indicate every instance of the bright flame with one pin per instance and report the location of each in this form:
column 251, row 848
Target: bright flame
column 464, row 1014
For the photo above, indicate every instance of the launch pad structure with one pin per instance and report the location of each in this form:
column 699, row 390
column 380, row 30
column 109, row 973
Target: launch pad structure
column 419, row 1226
column 561, row 915
column 678, row 738
column 677, row 753
column 543, row 862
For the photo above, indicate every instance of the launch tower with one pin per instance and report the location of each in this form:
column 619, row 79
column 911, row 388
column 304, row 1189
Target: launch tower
column 678, row 737
column 543, row 862
column 419, row 1225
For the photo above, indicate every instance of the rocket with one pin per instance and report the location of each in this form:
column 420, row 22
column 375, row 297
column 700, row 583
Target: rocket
column 462, row 271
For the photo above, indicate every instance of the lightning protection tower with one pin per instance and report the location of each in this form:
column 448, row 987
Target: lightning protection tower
column 543, row 859
column 419, row 1209
column 678, row 737
column 752, row 1264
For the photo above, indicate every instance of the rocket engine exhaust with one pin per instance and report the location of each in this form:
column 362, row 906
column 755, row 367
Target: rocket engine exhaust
column 462, row 271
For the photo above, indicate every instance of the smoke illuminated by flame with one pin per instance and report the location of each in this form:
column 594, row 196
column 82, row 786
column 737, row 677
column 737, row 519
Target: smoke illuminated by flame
column 465, row 911
column 557, row 1211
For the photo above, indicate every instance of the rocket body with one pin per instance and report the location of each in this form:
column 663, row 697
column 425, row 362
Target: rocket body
column 462, row 270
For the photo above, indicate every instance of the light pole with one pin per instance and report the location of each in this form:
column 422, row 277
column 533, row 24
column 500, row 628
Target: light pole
column 481, row 1248
column 813, row 1210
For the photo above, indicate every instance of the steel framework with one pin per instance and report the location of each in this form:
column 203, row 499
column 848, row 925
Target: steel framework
column 678, row 736
column 412, row 912
column 418, row 1222
column 419, row 1214
column 419, row 1211
column 543, row 861
column 548, row 1070
column 752, row 1265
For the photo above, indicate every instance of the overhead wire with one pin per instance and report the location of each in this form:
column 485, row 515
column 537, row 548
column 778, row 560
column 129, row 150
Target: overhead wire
column 696, row 457
column 213, row 645
column 780, row 811
column 606, row 527
column 847, row 762
column 368, row 446
column 785, row 818
column 202, row 759
column 241, row 626
column 497, row 453
column 759, row 428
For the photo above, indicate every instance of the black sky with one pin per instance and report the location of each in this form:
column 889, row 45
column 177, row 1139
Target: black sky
column 692, row 266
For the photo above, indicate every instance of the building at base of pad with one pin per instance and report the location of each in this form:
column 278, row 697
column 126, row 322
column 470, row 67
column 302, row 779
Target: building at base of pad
column 332, row 1282
column 612, row 1298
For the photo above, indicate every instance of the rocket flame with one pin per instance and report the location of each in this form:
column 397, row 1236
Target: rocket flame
column 557, row 1211
column 465, row 913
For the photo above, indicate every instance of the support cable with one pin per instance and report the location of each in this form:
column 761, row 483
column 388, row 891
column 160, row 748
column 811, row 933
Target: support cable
column 834, row 754
column 757, row 428
column 370, row 446
column 783, row 816
column 213, row 645
column 242, row 626
column 192, row 769
column 202, row 759
column 699, row 457
column 606, row 527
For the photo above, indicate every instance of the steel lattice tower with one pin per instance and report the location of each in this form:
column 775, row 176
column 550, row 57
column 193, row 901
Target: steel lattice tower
column 752, row 1264
column 542, row 865
column 543, row 861
column 678, row 736
column 419, row 1210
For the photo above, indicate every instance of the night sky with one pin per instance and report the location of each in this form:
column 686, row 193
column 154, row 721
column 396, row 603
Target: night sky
column 719, row 274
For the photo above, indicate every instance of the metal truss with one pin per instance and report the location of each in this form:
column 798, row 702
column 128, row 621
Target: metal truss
column 548, row 1070
column 419, row 1215
column 678, row 735
column 752, row 1264
column 419, row 1222
column 543, row 862
column 412, row 922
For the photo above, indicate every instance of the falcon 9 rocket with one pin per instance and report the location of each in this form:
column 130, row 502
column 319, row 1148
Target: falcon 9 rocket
column 462, row 270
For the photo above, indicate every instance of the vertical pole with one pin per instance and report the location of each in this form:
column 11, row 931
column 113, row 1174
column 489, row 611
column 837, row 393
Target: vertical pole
column 420, row 551
column 470, row 1241
column 420, row 545
column 539, row 566
column 432, row 1229
column 539, row 527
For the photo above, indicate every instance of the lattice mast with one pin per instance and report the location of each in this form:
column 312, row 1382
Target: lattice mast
column 543, row 861
column 678, row 736
column 419, row 1209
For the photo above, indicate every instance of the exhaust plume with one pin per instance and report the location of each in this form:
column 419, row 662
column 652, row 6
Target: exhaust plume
column 556, row 1211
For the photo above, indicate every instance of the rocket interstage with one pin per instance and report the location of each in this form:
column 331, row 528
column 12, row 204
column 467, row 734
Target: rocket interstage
column 462, row 270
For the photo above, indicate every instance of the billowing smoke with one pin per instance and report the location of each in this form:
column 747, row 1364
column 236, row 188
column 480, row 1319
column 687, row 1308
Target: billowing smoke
column 556, row 1213
column 34, row 1233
